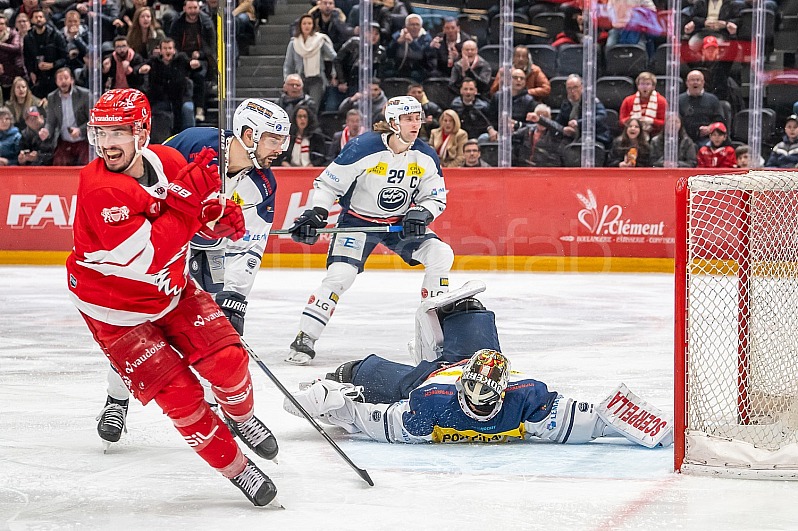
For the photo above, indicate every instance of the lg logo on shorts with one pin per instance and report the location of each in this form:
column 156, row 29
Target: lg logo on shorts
column 391, row 199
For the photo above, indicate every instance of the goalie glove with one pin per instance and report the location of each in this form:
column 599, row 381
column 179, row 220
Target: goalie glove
column 414, row 224
column 226, row 220
column 234, row 306
column 193, row 184
column 304, row 229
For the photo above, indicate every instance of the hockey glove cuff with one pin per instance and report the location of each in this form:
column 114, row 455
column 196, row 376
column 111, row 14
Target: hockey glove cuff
column 193, row 184
column 414, row 224
column 304, row 229
column 234, row 306
column 229, row 220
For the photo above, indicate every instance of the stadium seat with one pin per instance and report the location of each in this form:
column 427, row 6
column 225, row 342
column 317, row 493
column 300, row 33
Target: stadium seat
column 569, row 59
column 437, row 90
column 545, row 56
column 740, row 129
column 475, row 25
column 626, row 60
column 558, row 92
column 572, row 155
column 490, row 53
column 552, row 22
column 612, row 90
column 490, row 153
column 395, row 86
column 745, row 29
column 781, row 96
column 330, row 123
column 659, row 63
column 662, row 83
column 613, row 123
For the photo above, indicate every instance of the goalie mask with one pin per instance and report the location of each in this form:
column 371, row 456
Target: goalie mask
column 482, row 384
column 261, row 116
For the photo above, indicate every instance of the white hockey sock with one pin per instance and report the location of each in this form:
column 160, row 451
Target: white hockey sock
column 322, row 302
column 116, row 387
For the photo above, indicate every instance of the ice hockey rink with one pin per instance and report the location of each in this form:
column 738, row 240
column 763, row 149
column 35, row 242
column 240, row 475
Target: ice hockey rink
column 582, row 334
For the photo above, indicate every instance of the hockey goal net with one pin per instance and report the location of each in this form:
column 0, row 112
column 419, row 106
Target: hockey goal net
column 736, row 340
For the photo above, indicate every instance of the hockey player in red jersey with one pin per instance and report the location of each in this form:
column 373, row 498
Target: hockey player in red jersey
column 137, row 208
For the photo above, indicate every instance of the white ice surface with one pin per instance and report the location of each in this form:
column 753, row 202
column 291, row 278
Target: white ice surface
column 581, row 334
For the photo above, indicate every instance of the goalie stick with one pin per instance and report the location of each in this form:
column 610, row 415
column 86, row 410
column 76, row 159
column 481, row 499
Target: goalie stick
column 360, row 472
column 336, row 230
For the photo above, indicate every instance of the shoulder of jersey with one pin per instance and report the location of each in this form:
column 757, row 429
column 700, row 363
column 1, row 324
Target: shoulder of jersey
column 360, row 147
column 168, row 154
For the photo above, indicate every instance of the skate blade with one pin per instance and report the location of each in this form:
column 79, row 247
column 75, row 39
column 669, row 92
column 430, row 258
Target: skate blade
column 274, row 504
column 274, row 460
column 106, row 446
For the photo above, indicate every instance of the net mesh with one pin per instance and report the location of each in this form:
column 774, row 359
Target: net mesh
column 742, row 307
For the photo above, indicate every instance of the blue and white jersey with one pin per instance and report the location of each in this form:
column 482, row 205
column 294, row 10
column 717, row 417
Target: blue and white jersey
column 375, row 183
column 433, row 413
column 254, row 191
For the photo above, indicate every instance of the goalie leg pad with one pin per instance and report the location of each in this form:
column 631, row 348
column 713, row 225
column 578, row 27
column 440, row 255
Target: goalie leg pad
column 429, row 335
column 384, row 381
column 464, row 333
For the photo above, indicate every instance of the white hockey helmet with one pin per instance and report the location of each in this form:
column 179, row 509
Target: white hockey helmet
column 398, row 106
column 262, row 116
column 483, row 383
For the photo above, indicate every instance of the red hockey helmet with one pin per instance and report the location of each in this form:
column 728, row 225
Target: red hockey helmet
column 122, row 107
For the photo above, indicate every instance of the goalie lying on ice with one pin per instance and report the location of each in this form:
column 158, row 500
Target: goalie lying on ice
column 476, row 398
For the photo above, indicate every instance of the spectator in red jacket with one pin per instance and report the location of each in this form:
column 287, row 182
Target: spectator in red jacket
column 647, row 105
column 719, row 153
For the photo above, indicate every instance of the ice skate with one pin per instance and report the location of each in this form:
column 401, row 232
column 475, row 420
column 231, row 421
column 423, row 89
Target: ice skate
column 257, row 436
column 112, row 421
column 256, row 486
column 301, row 350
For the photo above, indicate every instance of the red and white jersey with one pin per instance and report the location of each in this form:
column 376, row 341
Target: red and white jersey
column 128, row 264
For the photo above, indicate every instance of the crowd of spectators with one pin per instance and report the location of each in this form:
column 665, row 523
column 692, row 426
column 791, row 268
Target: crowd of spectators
column 423, row 49
column 167, row 49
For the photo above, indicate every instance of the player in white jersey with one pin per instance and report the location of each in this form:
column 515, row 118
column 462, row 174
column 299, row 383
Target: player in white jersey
column 385, row 177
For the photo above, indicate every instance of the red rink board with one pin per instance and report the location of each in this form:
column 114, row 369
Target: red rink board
column 558, row 212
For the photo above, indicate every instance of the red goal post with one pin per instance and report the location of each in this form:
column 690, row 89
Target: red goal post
column 736, row 325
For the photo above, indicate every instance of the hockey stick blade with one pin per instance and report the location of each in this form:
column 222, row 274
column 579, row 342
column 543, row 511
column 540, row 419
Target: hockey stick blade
column 360, row 472
column 336, row 230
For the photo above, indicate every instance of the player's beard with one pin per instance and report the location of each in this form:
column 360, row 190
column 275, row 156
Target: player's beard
column 118, row 161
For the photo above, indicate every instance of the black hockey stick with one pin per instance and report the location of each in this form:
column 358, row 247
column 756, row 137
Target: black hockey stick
column 336, row 230
column 360, row 472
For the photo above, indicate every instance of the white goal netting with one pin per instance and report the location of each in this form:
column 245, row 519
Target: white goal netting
column 741, row 356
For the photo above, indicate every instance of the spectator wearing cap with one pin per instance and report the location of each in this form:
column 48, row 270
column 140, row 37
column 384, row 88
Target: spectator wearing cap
column 9, row 138
column 33, row 151
column 719, row 153
column 713, row 17
column 785, row 153
column 716, row 63
column 698, row 108
column 472, row 155
column 646, row 105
